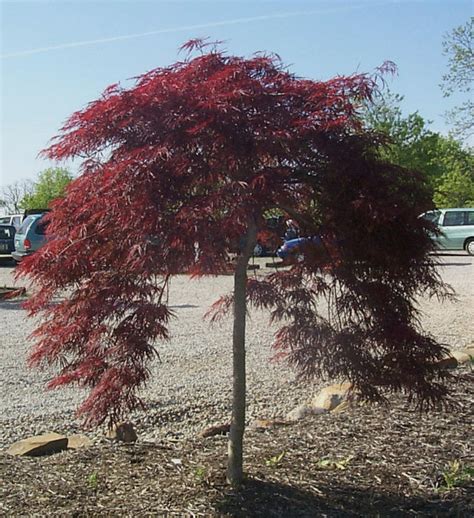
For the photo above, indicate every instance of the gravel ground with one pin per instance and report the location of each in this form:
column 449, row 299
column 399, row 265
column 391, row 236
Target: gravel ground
column 191, row 386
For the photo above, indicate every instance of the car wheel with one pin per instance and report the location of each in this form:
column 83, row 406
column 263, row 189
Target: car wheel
column 470, row 246
column 258, row 250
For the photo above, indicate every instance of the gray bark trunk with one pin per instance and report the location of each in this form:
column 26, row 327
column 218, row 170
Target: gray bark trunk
column 235, row 448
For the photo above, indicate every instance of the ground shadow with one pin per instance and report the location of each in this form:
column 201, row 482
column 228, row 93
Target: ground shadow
column 260, row 498
column 15, row 305
column 455, row 264
column 450, row 254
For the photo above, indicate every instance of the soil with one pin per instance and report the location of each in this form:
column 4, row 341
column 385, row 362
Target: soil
column 367, row 461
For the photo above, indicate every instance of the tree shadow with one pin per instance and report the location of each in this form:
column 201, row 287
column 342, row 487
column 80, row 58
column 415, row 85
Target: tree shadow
column 455, row 264
column 16, row 304
column 260, row 498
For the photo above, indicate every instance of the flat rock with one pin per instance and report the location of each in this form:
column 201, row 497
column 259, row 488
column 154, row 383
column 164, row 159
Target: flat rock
column 303, row 410
column 462, row 356
column 342, row 407
column 123, row 432
column 75, row 442
column 332, row 396
column 448, row 362
column 469, row 351
column 219, row 429
column 39, row 445
column 455, row 358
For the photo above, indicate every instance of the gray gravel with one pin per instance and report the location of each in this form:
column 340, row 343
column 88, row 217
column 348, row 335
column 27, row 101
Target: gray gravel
column 191, row 385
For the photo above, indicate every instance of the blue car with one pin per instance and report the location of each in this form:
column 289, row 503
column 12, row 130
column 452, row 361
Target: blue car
column 293, row 247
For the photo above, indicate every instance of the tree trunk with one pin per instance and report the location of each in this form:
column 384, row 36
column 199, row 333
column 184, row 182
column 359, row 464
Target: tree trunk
column 234, row 462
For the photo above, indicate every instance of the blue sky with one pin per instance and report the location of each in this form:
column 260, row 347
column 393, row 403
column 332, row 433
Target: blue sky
column 56, row 56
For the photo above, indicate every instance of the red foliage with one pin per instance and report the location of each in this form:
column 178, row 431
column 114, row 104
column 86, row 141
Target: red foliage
column 175, row 166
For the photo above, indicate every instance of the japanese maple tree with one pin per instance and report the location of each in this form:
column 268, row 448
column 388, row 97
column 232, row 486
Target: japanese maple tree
column 185, row 163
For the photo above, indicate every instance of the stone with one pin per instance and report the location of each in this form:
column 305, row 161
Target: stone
column 123, row 432
column 38, row 445
column 342, row 407
column 332, row 396
column 470, row 351
column 74, row 442
column 462, row 356
column 220, row 429
column 448, row 362
column 301, row 411
column 454, row 358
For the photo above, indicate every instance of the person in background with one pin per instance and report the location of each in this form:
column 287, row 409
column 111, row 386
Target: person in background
column 292, row 231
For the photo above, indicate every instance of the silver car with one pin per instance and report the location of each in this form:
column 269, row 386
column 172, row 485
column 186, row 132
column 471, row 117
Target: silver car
column 456, row 226
column 30, row 237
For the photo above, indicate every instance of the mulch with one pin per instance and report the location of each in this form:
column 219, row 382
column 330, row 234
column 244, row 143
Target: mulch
column 367, row 461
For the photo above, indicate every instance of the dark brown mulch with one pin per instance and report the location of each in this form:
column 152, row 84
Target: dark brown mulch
column 368, row 461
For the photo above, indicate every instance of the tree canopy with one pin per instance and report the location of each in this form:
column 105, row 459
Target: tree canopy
column 50, row 185
column 458, row 47
column 185, row 162
column 447, row 164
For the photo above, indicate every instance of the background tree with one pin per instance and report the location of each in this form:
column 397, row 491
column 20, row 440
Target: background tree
column 11, row 196
column 458, row 46
column 194, row 154
column 51, row 184
column 447, row 165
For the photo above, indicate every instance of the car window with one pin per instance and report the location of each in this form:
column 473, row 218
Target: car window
column 6, row 233
column 16, row 221
column 41, row 227
column 26, row 224
column 470, row 217
column 453, row 219
column 4, row 221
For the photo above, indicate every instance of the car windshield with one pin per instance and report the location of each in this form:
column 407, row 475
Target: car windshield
column 432, row 215
column 26, row 223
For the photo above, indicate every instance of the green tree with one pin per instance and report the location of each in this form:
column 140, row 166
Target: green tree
column 445, row 162
column 458, row 47
column 51, row 184
column 455, row 189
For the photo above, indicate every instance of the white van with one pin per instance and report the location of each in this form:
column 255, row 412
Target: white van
column 457, row 228
column 13, row 220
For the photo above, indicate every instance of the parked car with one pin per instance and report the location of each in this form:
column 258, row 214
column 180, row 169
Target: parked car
column 30, row 237
column 295, row 247
column 14, row 220
column 269, row 237
column 456, row 226
column 7, row 241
